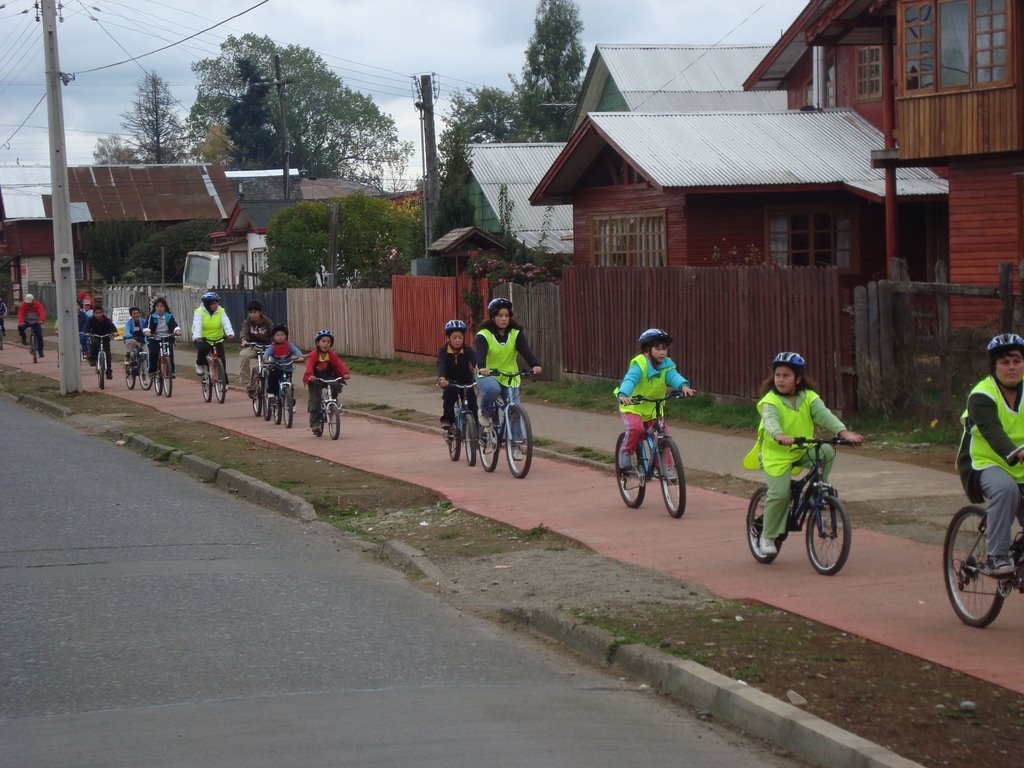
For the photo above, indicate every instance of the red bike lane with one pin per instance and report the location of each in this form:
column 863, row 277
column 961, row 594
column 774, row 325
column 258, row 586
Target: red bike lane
column 891, row 590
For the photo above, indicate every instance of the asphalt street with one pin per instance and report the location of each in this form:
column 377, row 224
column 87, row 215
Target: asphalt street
column 150, row 620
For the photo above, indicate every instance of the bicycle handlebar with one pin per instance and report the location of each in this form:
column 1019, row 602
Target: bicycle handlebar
column 804, row 441
column 459, row 386
column 673, row 395
column 335, row 380
column 100, row 335
column 508, row 375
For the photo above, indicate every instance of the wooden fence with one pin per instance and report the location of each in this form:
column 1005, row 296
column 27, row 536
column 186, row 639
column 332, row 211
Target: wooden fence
column 422, row 305
column 728, row 323
column 908, row 354
column 360, row 318
column 537, row 309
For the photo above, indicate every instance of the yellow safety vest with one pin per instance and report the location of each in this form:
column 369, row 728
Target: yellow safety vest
column 795, row 422
column 501, row 356
column 648, row 386
column 213, row 329
column 982, row 454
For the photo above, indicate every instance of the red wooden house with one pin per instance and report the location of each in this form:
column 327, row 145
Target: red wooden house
column 951, row 97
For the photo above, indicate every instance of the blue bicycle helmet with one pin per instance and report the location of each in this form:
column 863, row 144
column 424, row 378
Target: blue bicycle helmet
column 652, row 336
column 1005, row 341
column 497, row 305
column 789, row 359
column 454, row 325
column 320, row 334
column 208, row 297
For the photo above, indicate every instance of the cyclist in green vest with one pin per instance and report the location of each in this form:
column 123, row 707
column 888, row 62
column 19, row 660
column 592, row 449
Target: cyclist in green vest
column 650, row 374
column 498, row 342
column 210, row 321
column 789, row 409
column 992, row 448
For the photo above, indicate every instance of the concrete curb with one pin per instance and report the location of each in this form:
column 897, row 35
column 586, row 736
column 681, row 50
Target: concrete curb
column 45, row 405
column 265, row 494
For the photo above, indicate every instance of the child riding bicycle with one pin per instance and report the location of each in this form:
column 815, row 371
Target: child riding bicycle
column 255, row 330
column 322, row 364
column 498, row 342
column 790, row 408
column 455, row 363
column 650, row 374
column 279, row 357
column 134, row 335
column 96, row 326
column 161, row 325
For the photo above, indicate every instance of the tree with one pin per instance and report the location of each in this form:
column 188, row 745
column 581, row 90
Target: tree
column 108, row 243
column 375, row 240
column 113, row 150
column 161, row 256
column 332, row 130
column 488, row 115
column 216, row 146
column 552, row 74
column 249, row 122
column 454, row 207
column 156, row 132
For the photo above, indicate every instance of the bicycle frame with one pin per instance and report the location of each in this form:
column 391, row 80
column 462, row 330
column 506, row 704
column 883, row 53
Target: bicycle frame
column 654, row 436
column 807, row 492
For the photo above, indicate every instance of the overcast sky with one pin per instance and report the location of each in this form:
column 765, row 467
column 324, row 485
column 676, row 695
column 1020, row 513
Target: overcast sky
column 375, row 46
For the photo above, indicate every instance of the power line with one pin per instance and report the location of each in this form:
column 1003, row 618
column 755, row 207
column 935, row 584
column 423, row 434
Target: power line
column 7, row 144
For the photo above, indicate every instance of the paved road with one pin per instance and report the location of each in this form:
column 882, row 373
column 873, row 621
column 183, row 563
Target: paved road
column 200, row 630
column 891, row 590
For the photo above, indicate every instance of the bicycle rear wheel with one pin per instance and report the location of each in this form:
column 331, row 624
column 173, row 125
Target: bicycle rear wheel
column 828, row 536
column 976, row 598
column 518, row 442
column 288, row 396
column 755, row 525
column 470, row 439
column 220, row 381
column 672, row 477
column 334, row 421
column 631, row 482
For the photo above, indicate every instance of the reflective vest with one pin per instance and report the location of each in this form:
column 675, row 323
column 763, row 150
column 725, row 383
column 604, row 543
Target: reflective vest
column 648, row 386
column 501, row 356
column 213, row 327
column 982, row 454
column 777, row 459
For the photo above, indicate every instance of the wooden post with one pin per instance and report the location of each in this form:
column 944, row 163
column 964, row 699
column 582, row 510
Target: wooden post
column 861, row 344
column 873, row 327
column 886, row 334
column 942, row 339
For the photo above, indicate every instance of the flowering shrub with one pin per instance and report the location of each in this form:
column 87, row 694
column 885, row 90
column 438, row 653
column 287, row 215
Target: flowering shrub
column 545, row 268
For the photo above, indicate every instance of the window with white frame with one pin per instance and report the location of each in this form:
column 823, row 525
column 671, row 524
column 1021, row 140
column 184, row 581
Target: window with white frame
column 811, row 238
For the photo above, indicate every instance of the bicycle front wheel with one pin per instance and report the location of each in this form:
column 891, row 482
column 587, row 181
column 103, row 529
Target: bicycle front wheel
column 672, row 477
column 267, row 412
column 453, row 437
column 145, row 381
column 30, row 335
column 755, row 525
column 470, row 439
column 334, row 421
column 489, row 447
column 518, row 442
column 828, row 536
column 254, row 394
column 975, row 597
column 631, row 482
column 101, row 367
column 288, row 396
column 220, row 381
column 207, row 385
column 167, row 376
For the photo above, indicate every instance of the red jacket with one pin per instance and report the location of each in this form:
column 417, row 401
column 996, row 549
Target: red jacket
column 332, row 368
column 34, row 306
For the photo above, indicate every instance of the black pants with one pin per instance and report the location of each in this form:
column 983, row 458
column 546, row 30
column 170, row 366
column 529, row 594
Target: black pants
column 154, row 354
column 448, row 399
column 94, row 350
column 203, row 350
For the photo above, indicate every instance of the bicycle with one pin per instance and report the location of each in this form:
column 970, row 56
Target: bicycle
column 101, row 358
column 282, row 406
column 510, row 424
column 814, row 502
column 656, row 455
column 136, row 366
column 330, row 408
column 976, row 595
column 30, row 336
column 163, row 380
column 463, row 431
column 257, row 380
column 215, row 378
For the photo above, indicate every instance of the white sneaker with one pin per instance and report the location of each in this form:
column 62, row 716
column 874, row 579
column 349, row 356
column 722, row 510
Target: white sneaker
column 767, row 546
column 200, row 370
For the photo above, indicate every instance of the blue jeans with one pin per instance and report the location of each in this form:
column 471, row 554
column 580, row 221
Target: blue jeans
column 490, row 389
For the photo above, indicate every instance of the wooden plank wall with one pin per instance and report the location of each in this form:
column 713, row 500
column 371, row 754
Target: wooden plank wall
column 728, row 323
column 361, row 319
column 536, row 308
column 959, row 123
column 422, row 305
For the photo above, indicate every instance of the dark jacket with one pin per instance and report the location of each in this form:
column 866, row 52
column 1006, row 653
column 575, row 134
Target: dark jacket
column 455, row 365
column 171, row 322
column 97, row 326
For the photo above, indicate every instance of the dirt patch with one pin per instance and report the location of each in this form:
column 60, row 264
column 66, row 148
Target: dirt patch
column 910, row 706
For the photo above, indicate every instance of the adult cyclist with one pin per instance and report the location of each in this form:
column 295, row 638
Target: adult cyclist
column 210, row 321
column 31, row 316
column 991, row 456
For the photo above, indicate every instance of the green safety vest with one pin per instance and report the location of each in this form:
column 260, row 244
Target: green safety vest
column 648, row 386
column 501, row 356
column 982, row 454
column 213, row 329
column 774, row 458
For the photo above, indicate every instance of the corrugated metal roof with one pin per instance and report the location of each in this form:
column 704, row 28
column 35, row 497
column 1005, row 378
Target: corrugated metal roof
column 520, row 167
column 680, row 68
column 145, row 193
column 757, row 149
column 705, row 101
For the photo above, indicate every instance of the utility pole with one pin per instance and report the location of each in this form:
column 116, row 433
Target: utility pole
column 430, row 191
column 331, row 277
column 69, row 353
column 279, row 83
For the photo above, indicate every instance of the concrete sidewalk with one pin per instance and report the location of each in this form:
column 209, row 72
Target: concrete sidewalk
column 891, row 590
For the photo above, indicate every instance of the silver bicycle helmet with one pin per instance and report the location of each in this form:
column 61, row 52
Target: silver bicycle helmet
column 319, row 335
column 790, row 359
